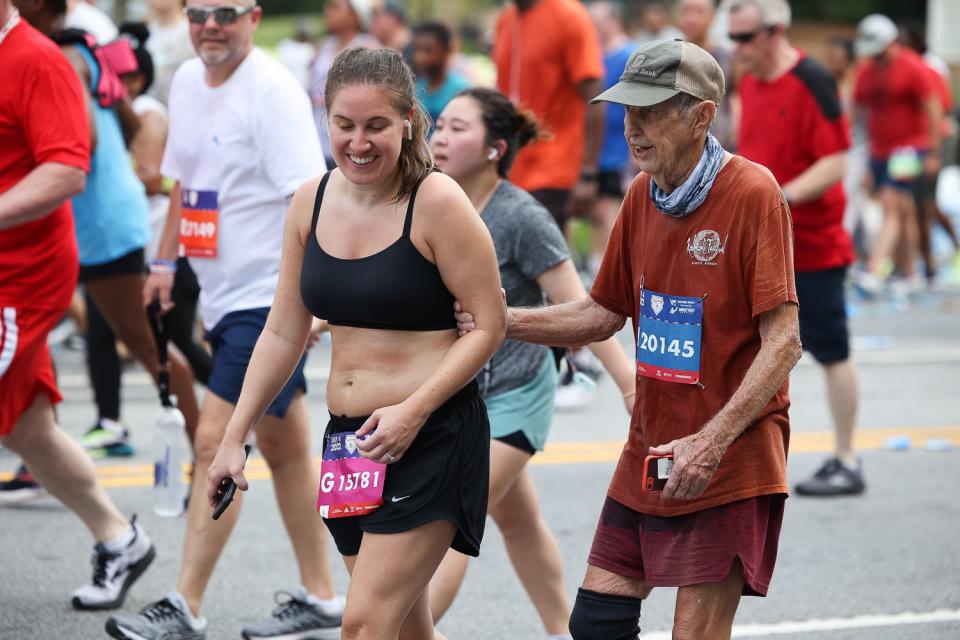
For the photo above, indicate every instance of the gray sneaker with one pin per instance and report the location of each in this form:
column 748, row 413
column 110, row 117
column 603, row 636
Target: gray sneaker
column 834, row 478
column 296, row 619
column 165, row 619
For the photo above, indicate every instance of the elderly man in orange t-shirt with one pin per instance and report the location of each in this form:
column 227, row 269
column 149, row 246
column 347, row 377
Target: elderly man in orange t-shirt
column 549, row 61
column 701, row 259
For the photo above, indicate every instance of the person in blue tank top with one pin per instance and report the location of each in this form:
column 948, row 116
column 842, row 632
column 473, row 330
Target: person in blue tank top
column 437, row 84
column 614, row 161
column 110, row 217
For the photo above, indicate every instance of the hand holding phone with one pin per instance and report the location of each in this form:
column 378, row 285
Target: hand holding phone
column 227, row 490
column 656, row 472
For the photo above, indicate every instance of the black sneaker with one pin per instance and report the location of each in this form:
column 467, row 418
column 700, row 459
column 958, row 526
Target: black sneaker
column 20, row 489
column 296, row 619
column 834, row 478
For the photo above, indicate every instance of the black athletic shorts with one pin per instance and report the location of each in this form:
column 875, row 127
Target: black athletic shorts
column 823, row 314
column 610, row 183
column 442, row 476
column 131, row 263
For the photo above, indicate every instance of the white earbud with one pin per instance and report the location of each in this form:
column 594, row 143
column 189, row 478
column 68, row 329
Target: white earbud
column 409, row 127
column 492, row 155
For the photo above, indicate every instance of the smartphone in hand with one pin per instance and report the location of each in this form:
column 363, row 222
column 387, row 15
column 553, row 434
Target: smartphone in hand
column 656, row 472
column 227, row 490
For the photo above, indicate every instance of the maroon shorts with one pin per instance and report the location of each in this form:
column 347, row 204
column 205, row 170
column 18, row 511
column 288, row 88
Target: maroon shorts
column 696, row 548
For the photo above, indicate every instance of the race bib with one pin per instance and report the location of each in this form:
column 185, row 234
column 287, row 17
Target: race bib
column 668, row 338
column 198, row 223
column 350, row 485
column 905, row 164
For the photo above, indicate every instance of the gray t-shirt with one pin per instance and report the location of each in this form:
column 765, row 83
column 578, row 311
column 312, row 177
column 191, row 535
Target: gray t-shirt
column 528, row 243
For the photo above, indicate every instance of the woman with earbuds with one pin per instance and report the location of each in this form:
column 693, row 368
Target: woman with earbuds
column 475, row 141
column 380, row 247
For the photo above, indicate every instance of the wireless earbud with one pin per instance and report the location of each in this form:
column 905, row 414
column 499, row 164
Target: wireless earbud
column 492, row 155
column 409, row 127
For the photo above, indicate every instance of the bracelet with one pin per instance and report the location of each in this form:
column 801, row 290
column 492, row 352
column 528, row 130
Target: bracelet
column 163, row 266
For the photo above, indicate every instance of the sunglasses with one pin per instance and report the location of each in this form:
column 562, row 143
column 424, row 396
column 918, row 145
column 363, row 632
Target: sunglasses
column 748, row 36
column 221, row 15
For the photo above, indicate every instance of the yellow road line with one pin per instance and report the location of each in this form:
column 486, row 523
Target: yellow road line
column 141, row 475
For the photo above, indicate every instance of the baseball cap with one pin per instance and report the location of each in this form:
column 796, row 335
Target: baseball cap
column 875, row 33
column 661, row 69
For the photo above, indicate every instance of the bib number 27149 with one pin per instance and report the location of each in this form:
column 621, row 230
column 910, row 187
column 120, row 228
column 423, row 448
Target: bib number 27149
column 669, row 336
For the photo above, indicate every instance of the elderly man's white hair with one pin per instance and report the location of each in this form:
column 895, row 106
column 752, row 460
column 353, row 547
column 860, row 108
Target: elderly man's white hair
column 772, row 12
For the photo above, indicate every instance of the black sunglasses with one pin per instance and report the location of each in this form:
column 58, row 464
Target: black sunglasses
column 748, row 36
column 221, row 15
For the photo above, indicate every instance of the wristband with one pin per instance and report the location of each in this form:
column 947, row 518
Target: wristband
column 788, row 197
column 163, row 266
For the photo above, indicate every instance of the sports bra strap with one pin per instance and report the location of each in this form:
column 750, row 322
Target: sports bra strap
column 408, row 221
column 318, row 202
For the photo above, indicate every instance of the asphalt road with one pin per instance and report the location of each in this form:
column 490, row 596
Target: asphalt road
column 884, row 566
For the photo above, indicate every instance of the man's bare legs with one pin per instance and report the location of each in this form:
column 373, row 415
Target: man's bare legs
column 843, row 395
column 64, row 469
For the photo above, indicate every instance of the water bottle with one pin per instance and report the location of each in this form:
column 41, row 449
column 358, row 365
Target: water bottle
column 171, row 451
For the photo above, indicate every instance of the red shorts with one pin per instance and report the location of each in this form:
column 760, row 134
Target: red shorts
column 696, row 548
column 25, row 365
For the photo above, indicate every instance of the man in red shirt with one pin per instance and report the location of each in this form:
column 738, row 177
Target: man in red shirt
column 894, row 92
column 549, row 61
column 701, row 259
column 792, row 124
column 44, row 157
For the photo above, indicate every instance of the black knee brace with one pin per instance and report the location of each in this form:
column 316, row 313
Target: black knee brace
column 599, row 616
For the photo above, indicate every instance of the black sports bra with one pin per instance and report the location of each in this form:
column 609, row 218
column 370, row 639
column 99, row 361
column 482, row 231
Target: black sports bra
column 396, row 288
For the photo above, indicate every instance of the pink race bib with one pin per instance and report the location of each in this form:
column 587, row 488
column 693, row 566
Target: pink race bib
column 350, row 485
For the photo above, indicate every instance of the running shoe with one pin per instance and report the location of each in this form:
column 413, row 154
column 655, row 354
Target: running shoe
column 114, row 571
column 22, row 488
column 834, row 478
column 102, row 441
column 165, row 619
column 577, row 383
column 296, row 618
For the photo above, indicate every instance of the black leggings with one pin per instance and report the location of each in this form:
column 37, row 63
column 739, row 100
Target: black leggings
column 103, row 362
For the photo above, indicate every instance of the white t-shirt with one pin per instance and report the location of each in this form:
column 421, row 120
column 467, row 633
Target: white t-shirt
column 170, row 46
column 241, row 149
column 92, row 20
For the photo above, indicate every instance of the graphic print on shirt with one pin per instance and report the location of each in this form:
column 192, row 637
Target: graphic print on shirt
column 198, row 223
column 705, row 247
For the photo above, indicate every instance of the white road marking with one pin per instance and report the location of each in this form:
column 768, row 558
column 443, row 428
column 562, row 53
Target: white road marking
column 831, row 624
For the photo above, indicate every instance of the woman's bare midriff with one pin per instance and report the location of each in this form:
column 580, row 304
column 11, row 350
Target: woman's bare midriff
column 374, row 368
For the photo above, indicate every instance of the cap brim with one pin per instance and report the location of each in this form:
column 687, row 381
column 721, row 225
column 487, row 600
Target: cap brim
column 635, row 94
column 869, row 48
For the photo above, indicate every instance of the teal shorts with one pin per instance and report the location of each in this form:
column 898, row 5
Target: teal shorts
column 527, row 410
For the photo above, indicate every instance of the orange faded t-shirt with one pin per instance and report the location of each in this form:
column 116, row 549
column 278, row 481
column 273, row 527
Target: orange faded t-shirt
column 542, row 55
column 736, row 252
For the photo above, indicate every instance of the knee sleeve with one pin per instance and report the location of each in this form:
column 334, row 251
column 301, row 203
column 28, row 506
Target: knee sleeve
column 599, row 616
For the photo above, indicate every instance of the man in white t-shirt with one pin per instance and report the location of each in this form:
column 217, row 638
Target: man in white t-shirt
column 241, row 141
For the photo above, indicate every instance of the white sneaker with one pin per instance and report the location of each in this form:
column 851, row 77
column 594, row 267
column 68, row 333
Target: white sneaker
column 114, row 572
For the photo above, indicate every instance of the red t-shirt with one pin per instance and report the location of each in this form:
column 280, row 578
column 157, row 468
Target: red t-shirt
column 43, row 118
column 894, row 95
column 787, row 125
column 542, row 55
column 735, row 251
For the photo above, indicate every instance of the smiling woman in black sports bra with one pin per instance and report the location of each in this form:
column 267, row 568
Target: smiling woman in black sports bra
column 380, row 247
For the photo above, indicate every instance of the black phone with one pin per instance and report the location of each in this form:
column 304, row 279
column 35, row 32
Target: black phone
column 228, row 488
column 656, row 472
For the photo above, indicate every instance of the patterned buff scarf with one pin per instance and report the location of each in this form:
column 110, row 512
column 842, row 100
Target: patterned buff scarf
column 687, row 197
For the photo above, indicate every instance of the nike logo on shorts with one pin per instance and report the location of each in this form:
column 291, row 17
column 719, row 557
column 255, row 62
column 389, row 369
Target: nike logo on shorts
column 396, row 499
